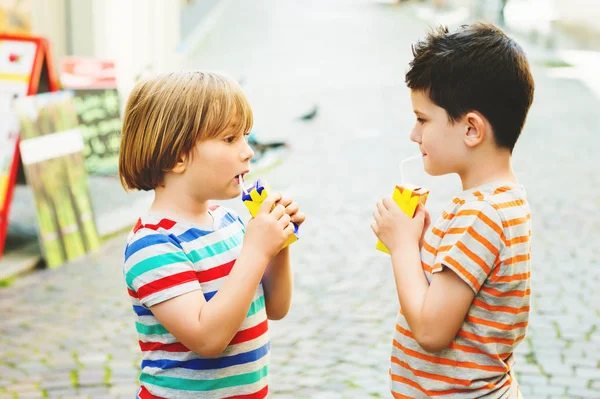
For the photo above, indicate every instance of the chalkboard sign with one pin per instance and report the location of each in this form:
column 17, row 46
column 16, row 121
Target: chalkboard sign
column 99, row 116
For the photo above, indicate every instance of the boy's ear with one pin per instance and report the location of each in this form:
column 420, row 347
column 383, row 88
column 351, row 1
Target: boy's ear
column 475, row 129
column 181, row 164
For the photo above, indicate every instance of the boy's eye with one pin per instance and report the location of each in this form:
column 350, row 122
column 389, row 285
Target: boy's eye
column 230, row 139
column 421, row 120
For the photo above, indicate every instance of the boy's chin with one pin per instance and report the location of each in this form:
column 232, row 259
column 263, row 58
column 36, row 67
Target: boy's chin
column 228, row 195
column 433, row 171
column 234, row 193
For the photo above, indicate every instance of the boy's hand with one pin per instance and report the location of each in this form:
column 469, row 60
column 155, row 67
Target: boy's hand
column 267, row 232
column 292, row 208
column 394, row 228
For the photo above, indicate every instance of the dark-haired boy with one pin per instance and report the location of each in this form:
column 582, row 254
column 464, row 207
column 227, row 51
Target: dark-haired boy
column 464, row 284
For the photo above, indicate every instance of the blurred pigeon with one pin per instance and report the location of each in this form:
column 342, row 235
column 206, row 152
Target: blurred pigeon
column 311, row 114
column 260, row 147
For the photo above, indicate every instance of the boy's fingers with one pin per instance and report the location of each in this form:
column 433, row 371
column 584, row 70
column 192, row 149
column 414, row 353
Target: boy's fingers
column 389, row 203
column 289, row 230
column 285, row 222
column 298, row 218
column 377, row 215
column 285, row 200
column 381, row 208
column 291, row 208
column 423, row 213
column 268, row 203
column 279, row 212
column 375, row 229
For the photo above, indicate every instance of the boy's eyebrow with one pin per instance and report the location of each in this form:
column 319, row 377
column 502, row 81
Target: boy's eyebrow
column 416, row 111
column 231, row 130
column 234, row 126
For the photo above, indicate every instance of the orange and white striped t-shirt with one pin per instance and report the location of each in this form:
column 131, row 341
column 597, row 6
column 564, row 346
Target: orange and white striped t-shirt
column 484, row 237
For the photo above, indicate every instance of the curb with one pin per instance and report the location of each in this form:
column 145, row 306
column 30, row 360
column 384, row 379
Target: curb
column 18, row 262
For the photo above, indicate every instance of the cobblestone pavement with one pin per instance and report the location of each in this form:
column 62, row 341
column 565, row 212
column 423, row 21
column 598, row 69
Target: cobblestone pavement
column 69, row 333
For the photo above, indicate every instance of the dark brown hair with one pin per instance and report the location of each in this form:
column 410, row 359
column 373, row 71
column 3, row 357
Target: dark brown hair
column 476, row 68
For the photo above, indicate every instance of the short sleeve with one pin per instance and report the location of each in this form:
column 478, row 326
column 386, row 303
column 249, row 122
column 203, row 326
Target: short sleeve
column 471, row 244
column 157, row 269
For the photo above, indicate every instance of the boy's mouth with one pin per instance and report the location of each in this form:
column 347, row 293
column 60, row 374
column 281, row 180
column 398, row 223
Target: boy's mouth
column 240, row 178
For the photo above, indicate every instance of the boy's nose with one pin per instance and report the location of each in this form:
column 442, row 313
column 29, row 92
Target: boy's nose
column 247, row 153
column 415, row 136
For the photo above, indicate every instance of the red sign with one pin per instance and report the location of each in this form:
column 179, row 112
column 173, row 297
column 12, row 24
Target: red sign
column 25, row 65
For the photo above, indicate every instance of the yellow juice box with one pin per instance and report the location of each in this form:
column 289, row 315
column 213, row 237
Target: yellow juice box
column 254, row 196
column 408, row 197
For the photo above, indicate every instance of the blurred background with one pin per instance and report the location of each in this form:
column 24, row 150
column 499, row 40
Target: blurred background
column 332, row 122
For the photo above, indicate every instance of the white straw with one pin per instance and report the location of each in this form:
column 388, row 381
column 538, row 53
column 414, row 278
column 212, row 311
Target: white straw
column 402, row 166
column 243, row 185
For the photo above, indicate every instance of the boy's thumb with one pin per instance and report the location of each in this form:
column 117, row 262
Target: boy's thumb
column 420, row 212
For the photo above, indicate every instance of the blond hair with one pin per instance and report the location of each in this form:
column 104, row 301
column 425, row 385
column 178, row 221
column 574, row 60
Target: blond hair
column 166, row 115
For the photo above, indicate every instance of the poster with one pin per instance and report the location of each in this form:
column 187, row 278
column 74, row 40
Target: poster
column 52, row 153
column 98, row 105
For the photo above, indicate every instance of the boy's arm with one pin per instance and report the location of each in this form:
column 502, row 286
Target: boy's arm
column 207, row 328
column 464, row 258
column 277, row 284
column 278, row 281
column 434, row 312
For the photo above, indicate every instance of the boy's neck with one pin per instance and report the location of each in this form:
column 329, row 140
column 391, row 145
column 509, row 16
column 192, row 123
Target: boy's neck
column 180, row 205
column 488, row 167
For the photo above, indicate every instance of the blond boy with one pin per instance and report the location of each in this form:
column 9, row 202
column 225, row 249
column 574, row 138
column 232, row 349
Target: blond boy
column 202, row 284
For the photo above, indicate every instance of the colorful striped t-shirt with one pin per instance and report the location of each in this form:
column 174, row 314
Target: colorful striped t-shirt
column 484, row 237
column 165, row 258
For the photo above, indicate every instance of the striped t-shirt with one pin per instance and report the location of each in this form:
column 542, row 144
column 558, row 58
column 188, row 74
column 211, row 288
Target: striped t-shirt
column 165, row 258
column 484, row 237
